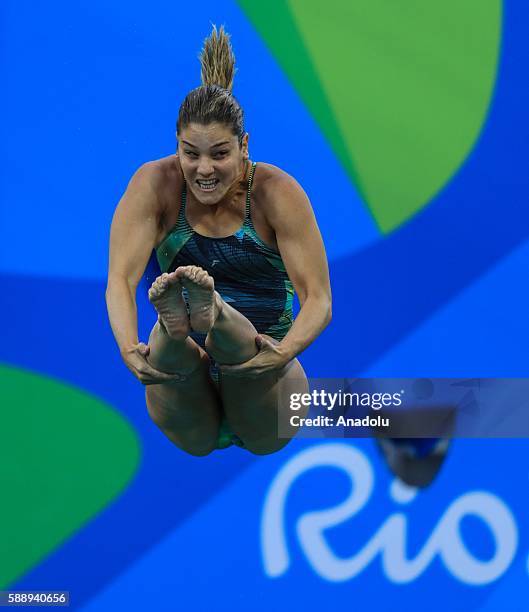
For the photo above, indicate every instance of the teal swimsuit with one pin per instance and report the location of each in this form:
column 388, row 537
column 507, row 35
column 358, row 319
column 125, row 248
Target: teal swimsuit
column 250, row 276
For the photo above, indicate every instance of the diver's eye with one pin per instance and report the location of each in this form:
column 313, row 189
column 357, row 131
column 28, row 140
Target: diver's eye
column 191, row 154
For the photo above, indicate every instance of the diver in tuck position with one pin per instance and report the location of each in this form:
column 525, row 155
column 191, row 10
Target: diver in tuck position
column 234, row 240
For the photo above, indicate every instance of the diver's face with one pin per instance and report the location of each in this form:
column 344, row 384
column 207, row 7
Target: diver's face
column 212, row 160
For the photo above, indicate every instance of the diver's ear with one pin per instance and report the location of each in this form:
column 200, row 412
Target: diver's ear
column 244, row 145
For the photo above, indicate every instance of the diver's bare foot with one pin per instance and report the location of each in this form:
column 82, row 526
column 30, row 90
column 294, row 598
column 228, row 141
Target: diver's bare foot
column 204, row 302
column 165, row 295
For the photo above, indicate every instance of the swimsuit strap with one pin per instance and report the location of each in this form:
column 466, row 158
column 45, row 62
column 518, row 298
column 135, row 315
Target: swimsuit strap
column 182, row 214
column 248, row 193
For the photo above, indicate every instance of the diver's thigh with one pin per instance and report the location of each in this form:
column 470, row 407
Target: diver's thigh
column 253, row 406
column 187, row 412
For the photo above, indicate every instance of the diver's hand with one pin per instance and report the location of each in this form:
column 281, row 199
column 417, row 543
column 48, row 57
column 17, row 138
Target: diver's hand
column 135, row 358
column 269, row 358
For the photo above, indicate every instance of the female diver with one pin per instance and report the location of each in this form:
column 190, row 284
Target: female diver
column 234, row 240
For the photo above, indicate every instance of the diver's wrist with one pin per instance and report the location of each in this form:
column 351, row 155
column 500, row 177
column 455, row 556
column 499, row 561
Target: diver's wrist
column 287, row 351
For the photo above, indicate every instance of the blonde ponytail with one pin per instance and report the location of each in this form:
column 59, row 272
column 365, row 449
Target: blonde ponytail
column 213, row 101
column 217, row 60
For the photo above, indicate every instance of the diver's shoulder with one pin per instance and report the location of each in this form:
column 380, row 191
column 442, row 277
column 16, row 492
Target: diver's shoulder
column 272, row 181
column 163, row 171
column 270, row 178
column 163, row 178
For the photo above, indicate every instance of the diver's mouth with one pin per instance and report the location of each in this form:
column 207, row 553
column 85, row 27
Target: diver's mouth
column 209, row 185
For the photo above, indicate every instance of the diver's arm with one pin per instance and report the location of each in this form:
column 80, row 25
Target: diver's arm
column 133, row 235
column 122, row 313
column 290, row 214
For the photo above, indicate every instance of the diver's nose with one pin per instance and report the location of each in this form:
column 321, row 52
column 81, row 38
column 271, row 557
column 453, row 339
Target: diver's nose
column 205, row 168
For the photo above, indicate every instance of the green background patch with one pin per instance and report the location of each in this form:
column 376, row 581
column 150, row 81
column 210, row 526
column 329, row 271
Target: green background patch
column 65, row 455
column 400, row 89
